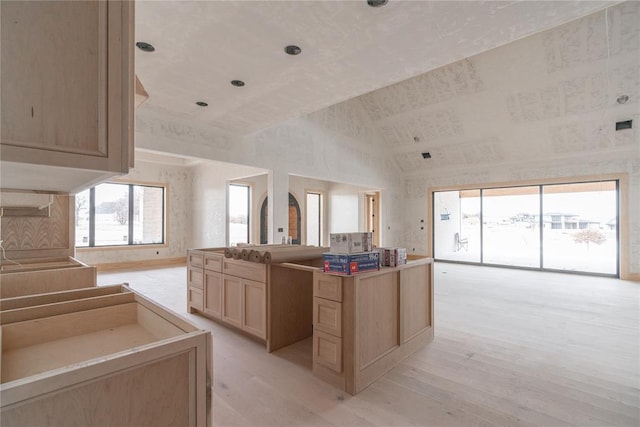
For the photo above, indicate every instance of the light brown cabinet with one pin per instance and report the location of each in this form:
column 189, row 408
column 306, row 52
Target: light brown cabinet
column 67, row 93
column 101, row 356
column 229, row 290
column 364, row 325
column 232, row 300
column 213, row 293
column 254, row 308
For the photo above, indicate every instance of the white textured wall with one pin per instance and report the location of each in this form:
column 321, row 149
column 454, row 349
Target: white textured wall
column 542, row 107
column 336, row 144
column 209, row 201
column 179, row 216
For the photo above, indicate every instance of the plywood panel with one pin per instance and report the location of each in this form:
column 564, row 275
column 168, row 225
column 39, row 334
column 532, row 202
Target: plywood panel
column 290, row 305
column 254, row 317
column 245, row 269
column 38, row 282
column 327, row 286
column 377, row 316
column 327, row 350
column 156, row 394
column 213, row 294
column 195, row 277
column 327, row 316
column 232, row 300
column 416, row 288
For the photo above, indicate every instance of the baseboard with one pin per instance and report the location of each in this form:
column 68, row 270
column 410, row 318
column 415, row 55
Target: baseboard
column 147, row 263
column 634, row 277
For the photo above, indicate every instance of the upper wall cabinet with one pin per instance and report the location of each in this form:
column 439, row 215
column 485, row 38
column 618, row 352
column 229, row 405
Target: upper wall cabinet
column 67, row 93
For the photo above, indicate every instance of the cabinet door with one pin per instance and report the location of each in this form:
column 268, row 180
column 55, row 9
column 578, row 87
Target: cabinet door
column 195, row 277
column 67, row 87
column 213, row 294
column 254, row 318
column 194, row 298
column 232, row 300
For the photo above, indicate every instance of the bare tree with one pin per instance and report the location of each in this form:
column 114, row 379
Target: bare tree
column 589, row 236
column 81, row 201
column 121, row 214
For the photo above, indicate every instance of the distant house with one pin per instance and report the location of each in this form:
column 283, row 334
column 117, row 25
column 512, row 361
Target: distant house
column 612, row 223
column 564, row 221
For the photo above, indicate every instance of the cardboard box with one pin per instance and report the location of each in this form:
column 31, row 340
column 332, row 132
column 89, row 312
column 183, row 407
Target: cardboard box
column 348, row 264
column 349, row 243
column 393, row 257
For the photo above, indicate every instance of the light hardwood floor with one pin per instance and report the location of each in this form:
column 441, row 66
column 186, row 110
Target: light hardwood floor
column 511, row 347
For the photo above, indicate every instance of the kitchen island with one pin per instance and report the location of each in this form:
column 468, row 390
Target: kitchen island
column 361, row 325
column 365, row 324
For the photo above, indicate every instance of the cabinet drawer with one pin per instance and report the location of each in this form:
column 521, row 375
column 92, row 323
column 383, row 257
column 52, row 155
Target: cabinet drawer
column 245, row 269
column 195, row 298
column 195, row 259
column 327, row 316
column 195, row 277
column 327, row 350
column 327, row 286
column 213, row 262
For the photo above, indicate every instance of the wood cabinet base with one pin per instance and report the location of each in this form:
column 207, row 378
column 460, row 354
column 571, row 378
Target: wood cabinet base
column 385, row 316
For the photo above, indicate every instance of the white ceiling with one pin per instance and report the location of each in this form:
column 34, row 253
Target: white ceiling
column 349, row 49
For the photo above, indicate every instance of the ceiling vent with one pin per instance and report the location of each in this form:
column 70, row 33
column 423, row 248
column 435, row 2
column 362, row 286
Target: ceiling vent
column 624, row 125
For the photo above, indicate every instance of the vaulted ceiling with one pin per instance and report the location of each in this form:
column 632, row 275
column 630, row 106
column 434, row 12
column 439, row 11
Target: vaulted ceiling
column 348, row 49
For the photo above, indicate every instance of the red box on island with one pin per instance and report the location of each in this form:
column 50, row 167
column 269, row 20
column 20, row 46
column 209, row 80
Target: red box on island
column 348, row 264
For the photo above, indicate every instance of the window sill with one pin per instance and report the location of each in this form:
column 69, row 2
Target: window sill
column 123, row 247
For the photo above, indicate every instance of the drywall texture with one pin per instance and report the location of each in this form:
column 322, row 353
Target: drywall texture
column 336, row 144
column 209, row 201
column 178, row 181
column 542, row 107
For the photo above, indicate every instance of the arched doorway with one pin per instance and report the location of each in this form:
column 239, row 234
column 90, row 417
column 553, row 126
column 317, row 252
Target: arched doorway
column 294, row 221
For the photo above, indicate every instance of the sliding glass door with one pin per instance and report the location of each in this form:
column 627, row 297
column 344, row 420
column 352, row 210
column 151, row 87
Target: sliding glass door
column 580, row 227
column 510, row 235
column 566, row 227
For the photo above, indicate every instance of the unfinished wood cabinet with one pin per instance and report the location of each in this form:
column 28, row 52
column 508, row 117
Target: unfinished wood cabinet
column 254, row 308
column 365, row 324
column 40, row 275
column 273, row 303
column 232, row 300
column 67, row 93
column 327, row 316
column 213, row 294
column 101, row 356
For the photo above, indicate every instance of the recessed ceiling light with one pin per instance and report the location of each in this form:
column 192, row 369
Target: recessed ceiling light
column 293, row 49
column 377, row 3
column 145, row 47
column 622, row 99
column 202, row 104
column 426, row 155
column 237, row 83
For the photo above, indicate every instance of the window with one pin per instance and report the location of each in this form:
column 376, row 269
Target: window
column 120, row 215
column 238, row 213
column 560, row 227
column 314, row 219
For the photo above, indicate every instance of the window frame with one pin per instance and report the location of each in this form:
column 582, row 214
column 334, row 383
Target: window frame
column 320, row 195
column 130, row 245
column 621, row 184
column 249, row 209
